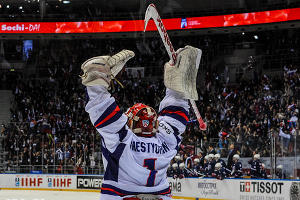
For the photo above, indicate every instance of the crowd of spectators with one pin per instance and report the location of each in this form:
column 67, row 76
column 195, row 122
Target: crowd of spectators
column 89, row 10
column 149, row 53
column 49, row 125
column 249, row 113
column 51, row 131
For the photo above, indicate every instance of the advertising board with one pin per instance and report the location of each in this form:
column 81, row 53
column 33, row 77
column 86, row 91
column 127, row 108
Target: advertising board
column 186, row 188
column 241, row 19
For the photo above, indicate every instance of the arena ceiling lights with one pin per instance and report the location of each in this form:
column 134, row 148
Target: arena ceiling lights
column 220, row 21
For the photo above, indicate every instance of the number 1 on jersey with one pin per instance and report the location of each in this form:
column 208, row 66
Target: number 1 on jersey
column 150, row 164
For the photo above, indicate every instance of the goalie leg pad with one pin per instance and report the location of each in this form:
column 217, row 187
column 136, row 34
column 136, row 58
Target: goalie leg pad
column 182, row 76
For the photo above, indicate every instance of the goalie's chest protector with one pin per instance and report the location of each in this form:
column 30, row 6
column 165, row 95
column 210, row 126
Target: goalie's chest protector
column 141, row 163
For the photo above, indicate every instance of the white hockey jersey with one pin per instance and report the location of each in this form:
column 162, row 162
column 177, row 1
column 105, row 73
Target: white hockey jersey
column 136, row 165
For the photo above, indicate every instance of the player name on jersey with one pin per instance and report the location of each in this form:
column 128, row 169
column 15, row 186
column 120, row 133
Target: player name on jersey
column 149, row 147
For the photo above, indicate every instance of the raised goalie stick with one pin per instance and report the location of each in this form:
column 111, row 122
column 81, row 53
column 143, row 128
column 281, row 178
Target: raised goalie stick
column 152, row 12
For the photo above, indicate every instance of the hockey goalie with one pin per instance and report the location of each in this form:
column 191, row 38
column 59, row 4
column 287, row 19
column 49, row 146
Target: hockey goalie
column 138, row 145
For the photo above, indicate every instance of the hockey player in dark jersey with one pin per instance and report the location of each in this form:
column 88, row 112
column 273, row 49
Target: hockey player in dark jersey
column 263, row 171
column 280, row 174
column 184, row 171
column 219, row 160
column 219, row 172
column 198, row 168
column 174, row 171
column 255, row 170
column 237, row 168
column 205, row 166
column 209, row 165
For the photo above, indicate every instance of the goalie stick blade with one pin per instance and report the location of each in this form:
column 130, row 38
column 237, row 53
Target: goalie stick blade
column 151, row 12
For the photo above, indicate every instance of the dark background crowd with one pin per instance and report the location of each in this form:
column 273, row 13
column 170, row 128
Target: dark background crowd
column 50, row 130
column 49, row 10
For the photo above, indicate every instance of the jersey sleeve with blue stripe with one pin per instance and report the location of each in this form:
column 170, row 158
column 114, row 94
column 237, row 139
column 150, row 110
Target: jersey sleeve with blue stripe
column 135, row 165
column 106, row 116
column 173, row 118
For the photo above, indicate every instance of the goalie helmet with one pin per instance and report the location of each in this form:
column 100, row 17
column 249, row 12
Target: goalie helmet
column 142, row 120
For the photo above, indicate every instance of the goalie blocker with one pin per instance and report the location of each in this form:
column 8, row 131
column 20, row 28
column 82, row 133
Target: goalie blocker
column 182, row 76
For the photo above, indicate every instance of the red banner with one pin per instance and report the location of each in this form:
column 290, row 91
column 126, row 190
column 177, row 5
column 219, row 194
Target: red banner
column 138, row 25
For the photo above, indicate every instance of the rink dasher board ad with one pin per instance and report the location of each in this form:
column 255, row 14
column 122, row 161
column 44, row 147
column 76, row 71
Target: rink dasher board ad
column 49, row 181
column 236, row 189
column 187, row 188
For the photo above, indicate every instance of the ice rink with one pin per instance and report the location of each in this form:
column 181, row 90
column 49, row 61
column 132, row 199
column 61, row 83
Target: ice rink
column 47, row 195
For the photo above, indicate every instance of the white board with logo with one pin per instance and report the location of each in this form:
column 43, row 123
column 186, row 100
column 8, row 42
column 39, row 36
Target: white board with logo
column 190, row 188
column 236, row 189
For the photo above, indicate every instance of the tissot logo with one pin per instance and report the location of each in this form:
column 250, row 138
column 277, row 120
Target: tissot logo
column 245, row 186
column 261, row 187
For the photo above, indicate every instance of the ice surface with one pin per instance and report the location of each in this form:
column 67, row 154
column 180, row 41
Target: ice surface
column 47, row 195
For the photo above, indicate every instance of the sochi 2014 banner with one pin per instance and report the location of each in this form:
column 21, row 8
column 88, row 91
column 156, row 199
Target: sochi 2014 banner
column 138, row 25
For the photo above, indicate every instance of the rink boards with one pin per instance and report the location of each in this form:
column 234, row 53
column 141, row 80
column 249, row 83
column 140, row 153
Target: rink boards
column 188, row 188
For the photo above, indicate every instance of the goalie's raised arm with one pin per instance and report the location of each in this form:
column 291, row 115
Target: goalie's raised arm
column 180, row 81
column 102, row 108
column 182, row 76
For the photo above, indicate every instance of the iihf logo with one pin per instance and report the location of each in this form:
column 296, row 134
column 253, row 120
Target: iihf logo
column 49, row 182
column 145, row 123
column 17, row 181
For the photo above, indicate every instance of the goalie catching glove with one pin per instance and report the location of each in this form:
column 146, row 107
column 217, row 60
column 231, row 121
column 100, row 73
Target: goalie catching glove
column 182, row 76
column 101, row 70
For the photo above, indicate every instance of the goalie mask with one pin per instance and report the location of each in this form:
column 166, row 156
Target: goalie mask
column 142, row 120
